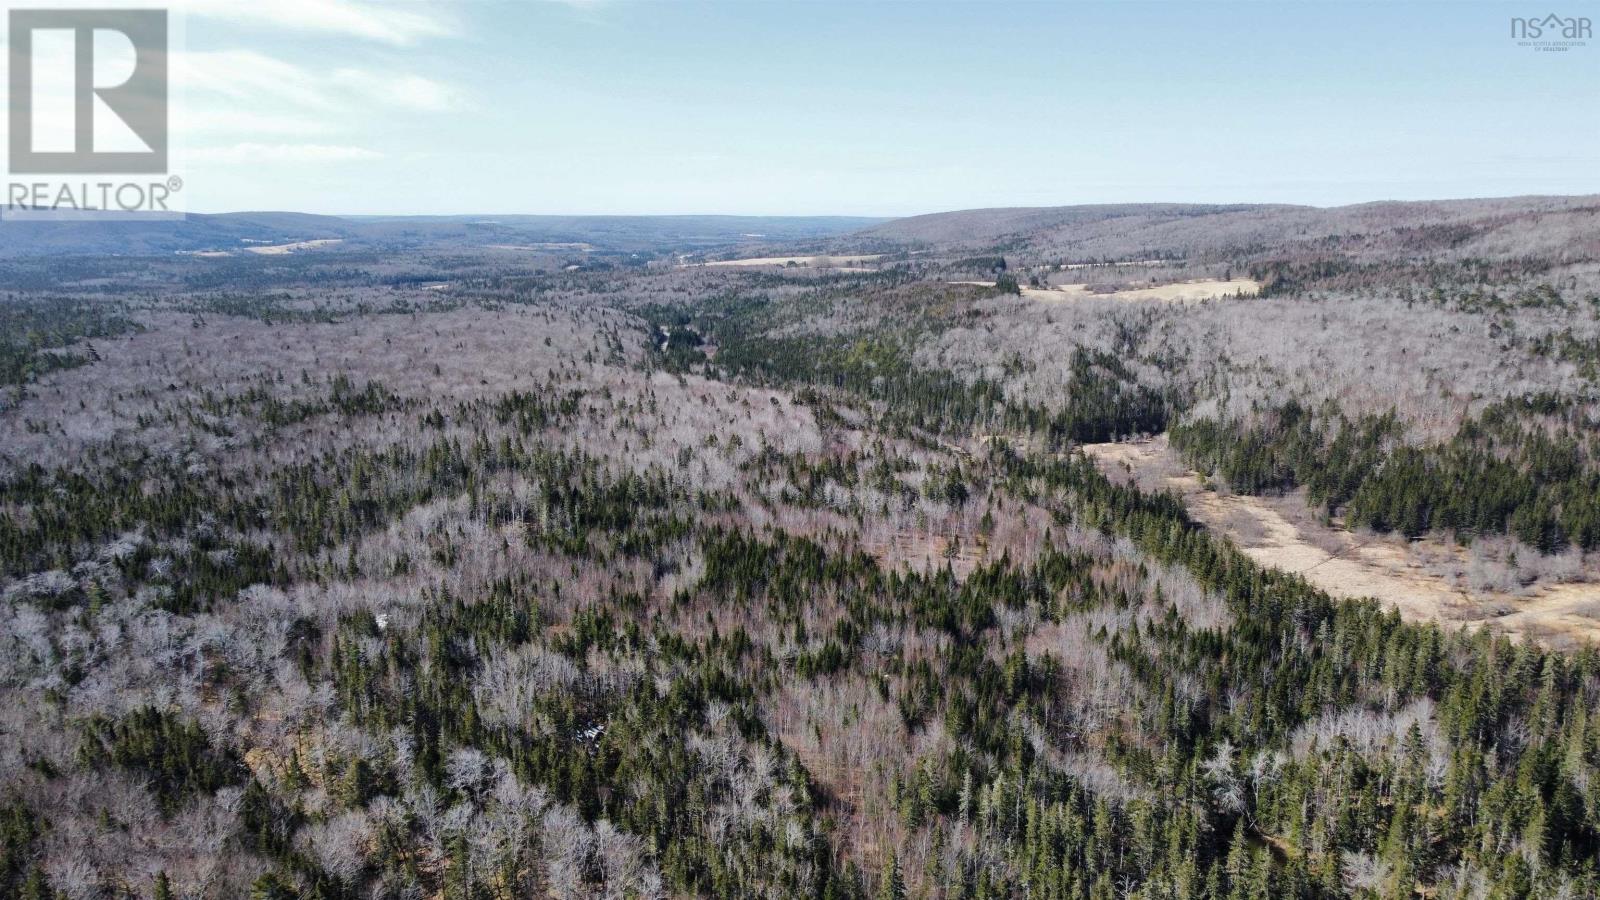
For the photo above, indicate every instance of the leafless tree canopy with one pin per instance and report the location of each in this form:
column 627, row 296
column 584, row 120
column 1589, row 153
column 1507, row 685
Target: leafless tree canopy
column 447, row 570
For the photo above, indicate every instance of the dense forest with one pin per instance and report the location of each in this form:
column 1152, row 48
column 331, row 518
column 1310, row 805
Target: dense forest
column 321, row 580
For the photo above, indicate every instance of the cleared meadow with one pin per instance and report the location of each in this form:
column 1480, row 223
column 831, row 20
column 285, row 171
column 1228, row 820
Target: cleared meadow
column 1413, row 577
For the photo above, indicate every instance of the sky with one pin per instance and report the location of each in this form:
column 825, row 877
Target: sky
column 871, row 107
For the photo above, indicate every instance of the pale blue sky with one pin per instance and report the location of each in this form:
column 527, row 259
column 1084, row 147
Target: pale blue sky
column 877, row 108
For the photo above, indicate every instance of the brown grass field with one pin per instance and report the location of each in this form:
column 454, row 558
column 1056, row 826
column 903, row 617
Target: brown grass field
column 1410, row 576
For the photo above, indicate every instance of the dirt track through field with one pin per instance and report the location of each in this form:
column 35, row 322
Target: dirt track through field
column 821, row 261
column 1345, row 565
column 1193, row 291
column 1177, row 292
column 281, row 249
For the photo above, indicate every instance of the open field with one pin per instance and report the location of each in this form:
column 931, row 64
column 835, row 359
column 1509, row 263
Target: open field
column 1178, row 292
column 264, row 249
column 1411, row 576
column 577, row 247
column 1068, row 267
column 295, row 247
column 816, row 262
column 1192, row 291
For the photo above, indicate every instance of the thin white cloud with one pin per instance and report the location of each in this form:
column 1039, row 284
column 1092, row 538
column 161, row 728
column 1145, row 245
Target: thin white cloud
column 251, row 77
column 400, row 24
column 224, row 119
column 253, row 96
column 254, row 153
column 400, row 91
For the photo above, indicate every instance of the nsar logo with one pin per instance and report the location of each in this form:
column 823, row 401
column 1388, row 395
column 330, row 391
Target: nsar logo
column 1552, row 32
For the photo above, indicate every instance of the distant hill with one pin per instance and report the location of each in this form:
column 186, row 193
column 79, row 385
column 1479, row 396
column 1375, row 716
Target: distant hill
column 979, row 226
column 234, row 232
column 1556, row 227
column 1548, row 227
column 192, row 233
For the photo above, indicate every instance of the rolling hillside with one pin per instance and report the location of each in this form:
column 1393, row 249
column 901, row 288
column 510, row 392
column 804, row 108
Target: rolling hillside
column 1549, row 226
